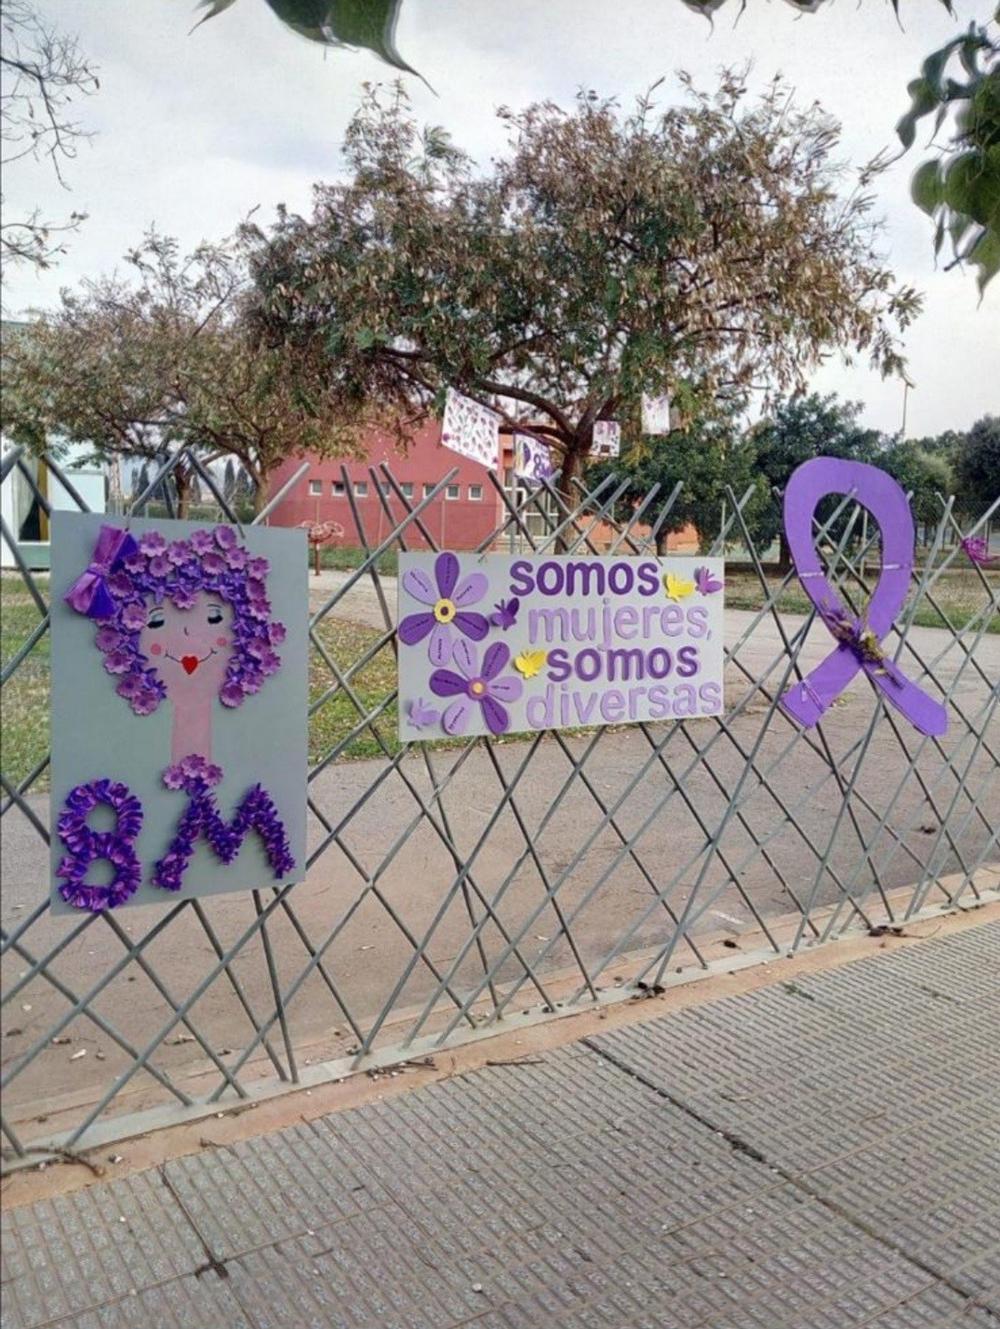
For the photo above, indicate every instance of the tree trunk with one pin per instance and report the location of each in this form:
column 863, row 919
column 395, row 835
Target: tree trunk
column 570, row 468
column 182, row 489
column 261, row 491
column 784, row 554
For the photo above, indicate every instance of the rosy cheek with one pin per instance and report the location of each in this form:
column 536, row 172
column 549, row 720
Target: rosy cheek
column 222, row 641
column 156, row 649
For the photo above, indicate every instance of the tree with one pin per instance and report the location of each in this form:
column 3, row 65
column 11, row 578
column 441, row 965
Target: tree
column 959, row 188
column 41, row 72
column 141, row 368
column 977, row 467
column 803, row 427
column 706, row 457
column 924, row 475
column 704, row 250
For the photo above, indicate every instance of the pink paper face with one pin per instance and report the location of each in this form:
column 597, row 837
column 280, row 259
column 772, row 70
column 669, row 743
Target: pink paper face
column 189, row 648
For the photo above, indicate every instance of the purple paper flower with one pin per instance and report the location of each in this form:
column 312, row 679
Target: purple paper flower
column 225, row 537
column 978, row 551
column 196, row 776
column 449, row 600
column 213, row 563
column 201, row 541
column 133, row 616
column 85, row 846
column 475, row 686
column 152, row 542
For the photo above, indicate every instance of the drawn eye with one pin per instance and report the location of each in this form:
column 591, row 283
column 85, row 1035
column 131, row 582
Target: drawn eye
column 214, row 614
column 156, row 619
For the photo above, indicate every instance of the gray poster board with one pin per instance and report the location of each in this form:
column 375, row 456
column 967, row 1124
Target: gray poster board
column 517, row 643
column 95, row 734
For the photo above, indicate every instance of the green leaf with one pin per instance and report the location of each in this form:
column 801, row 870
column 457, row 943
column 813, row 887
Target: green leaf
column 368, row 25
column 923, row 100
column 971, row 187
column 925, row 187
column 985, row 255
column 214, row 7
column 364, row 339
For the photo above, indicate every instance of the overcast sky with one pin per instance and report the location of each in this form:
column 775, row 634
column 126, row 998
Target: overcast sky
column 193, row 129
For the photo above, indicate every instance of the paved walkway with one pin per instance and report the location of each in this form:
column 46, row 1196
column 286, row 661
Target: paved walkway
column 818, row 1154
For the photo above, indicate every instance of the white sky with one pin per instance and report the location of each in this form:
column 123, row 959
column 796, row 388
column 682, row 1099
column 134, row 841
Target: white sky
column 193, row 129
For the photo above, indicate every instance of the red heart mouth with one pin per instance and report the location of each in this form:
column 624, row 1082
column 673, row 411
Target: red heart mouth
column 189, row 663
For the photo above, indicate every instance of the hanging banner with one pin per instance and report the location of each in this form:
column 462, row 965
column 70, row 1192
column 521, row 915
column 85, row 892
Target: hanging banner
column 496, row 644
column 471, row 430
column 179, row 705
column 655, row 414
column 607, row 439
column 532, row 460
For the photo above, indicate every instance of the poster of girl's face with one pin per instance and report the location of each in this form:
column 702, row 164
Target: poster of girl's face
column 179, row 709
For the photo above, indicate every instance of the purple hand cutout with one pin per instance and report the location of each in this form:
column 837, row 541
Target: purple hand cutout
column 858, row 645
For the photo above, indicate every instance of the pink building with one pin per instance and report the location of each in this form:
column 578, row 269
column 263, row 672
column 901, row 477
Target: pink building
column 462, row 517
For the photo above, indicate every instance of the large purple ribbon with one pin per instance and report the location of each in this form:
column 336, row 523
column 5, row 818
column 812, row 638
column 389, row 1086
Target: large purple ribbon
column 89, row 594
column 858, row 640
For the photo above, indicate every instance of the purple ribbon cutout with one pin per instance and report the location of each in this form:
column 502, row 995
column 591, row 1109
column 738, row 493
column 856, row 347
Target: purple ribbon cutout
column 858, row 641
column 89, row 594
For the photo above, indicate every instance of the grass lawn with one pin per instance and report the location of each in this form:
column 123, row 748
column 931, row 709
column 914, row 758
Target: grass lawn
column 24, row 703
column 958, row 594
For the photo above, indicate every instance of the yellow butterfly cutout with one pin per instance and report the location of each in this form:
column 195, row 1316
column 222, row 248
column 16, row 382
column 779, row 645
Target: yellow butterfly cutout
column 676, row 587
column 529, row 663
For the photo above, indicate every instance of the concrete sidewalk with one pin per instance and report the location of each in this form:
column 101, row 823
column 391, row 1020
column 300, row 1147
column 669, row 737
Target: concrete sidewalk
column 820, row 1153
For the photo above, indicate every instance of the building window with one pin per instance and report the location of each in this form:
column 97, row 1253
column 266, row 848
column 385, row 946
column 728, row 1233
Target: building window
column 407, row 488
column 384, row 486
column 428, row 490
column 338, row 489
column 452, row 493
column 316, row 487
column 476, row 493
column 361, row 489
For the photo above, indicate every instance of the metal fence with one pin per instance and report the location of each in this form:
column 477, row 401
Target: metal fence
column 461, row 888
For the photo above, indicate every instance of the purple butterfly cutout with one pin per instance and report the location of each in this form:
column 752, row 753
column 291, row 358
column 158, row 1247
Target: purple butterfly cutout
column 705, row 582
column 422, row 716
column 506, row 613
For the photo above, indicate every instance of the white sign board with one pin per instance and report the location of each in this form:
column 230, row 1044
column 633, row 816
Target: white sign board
column 506, row 644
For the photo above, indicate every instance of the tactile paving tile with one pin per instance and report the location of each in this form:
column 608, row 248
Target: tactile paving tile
column 567, row 1192
column 184, row 1303
column 72, row 1252
column 262, row 1190
column 877, row 1086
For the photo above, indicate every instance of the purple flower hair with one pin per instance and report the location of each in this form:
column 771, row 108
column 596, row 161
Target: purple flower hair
column 124, row 575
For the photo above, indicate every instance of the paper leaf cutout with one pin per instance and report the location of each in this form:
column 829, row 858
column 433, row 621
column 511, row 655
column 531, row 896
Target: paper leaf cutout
column 529, row 663
column 677, row 588
column 607, row 439
column 471, row 430
column 655, row 414
column 706, row 583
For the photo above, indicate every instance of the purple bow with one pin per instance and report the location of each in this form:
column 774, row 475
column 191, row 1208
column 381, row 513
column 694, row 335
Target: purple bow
column 89, row 594
column 858, row 642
